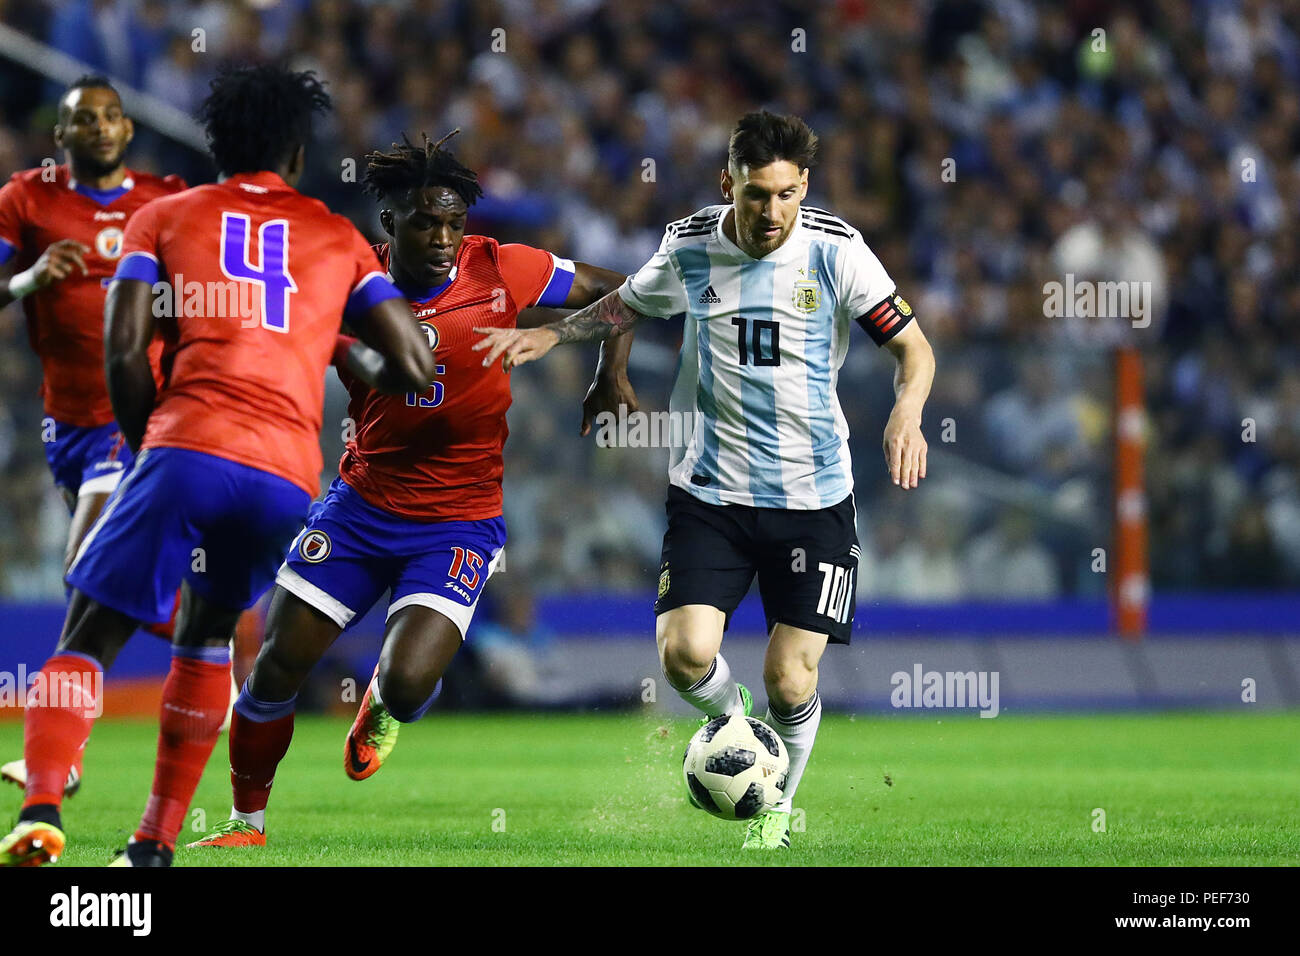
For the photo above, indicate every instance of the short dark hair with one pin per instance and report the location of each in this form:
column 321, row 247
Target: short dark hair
column 762, row 138
column 409, row 167
column 256, row 116
column 88, row 81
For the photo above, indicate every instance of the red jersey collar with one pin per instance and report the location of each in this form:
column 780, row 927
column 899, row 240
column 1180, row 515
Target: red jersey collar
column 259, row 182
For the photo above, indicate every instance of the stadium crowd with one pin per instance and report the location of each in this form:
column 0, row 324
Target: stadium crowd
column 984, row 149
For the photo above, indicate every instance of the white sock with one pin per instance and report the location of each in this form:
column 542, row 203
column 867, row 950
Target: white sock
column 798, row 730
column 715, row 693
column 255, row 819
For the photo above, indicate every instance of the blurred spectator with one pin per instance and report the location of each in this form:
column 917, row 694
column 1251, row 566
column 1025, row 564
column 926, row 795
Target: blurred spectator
column 1006, row 562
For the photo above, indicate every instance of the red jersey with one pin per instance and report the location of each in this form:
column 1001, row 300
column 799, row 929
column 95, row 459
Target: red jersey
column 261, row 276
column 436, row 455
column 65, row 320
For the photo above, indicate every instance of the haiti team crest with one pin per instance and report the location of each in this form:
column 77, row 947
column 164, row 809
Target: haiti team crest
column 315, row 546
column 108, row 242
column 431, row 334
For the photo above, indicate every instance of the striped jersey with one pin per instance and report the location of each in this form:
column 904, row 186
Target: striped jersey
column 763, row 343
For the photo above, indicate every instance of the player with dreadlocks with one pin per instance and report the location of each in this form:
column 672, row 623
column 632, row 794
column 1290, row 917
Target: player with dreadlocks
column 417, row 504
column 228, row 447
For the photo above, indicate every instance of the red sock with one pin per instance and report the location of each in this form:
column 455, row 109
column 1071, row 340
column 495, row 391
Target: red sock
column 62, row 706
column 195, row 698
column 256, row 749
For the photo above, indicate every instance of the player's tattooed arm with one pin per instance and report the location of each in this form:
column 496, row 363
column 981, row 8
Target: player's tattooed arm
column 610, row 316
column 610, row 390
column 904, row 445
column 607, row 317
column 128, row 330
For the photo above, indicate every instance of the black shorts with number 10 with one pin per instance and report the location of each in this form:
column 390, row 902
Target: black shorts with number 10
column 806, row 561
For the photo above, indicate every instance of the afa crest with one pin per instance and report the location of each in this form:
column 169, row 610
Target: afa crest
column 901, row 304
column 807, row 295
column 663, row 582
column 108, row 242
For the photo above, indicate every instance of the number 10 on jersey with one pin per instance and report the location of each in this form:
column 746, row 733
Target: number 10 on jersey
column 759, row 341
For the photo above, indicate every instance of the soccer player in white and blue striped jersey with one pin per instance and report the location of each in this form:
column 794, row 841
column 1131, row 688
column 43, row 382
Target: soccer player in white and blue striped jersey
column 764, row 485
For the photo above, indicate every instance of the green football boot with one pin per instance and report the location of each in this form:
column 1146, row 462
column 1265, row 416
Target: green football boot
column 768, row 831
column 32, row 843
column 746, row 700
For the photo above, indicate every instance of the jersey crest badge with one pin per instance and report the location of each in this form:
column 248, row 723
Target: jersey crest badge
column 807, row 295
column 431, row 334
column 315, row 546
column 108, row 242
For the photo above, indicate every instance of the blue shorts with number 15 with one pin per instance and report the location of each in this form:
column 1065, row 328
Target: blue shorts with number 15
column 351, row 552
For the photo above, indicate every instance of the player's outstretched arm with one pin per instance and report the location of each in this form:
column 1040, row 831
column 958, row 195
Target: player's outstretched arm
column 56, row 263
column 393, row 355
column 610, row 388
column 591, row 284
column 905, row 446
column 597, row 322
column 128, row 330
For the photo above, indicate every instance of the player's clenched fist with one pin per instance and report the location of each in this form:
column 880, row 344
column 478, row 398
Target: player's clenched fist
column 608, row 393
column 515, row 346
column 58, row 260
column 905, row 448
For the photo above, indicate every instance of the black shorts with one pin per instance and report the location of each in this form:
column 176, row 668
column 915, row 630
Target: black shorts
column 806, row 561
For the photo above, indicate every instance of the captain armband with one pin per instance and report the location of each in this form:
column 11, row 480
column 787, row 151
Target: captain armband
column 886, row 318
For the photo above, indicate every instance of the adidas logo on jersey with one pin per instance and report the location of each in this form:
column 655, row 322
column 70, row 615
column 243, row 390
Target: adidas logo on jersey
column 709, row 297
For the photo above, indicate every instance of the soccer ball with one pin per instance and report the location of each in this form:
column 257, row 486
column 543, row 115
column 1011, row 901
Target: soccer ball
column 735, row 767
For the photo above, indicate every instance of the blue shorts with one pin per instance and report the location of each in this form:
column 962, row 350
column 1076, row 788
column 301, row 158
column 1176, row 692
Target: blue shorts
column 351, row 552
column 87, row 461
column 182, row 514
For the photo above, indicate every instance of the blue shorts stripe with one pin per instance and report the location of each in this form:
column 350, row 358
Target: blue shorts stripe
column 758, row 388
column 817, row 352
column 696, row 266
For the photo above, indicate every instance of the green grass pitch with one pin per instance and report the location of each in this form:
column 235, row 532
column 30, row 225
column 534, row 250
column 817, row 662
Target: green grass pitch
column 1177, row 789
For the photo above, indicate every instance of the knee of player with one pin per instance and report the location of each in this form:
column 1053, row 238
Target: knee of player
column 683, row 661
column 788, row 683
column 407, row 696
